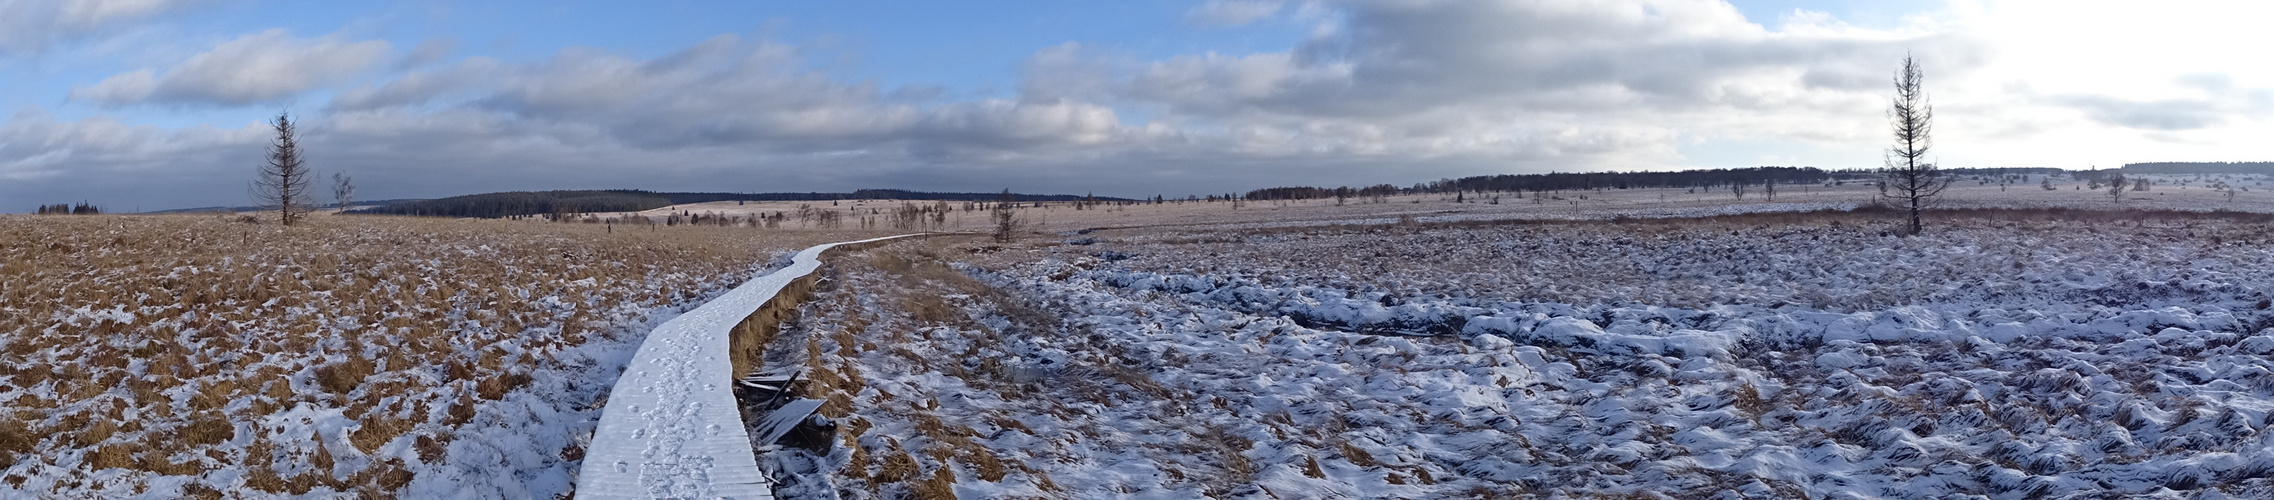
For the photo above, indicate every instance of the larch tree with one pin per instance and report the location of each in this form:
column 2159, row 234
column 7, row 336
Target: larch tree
column 283, row 181
column 343, row 190
column 1911, row 181
column 1005, row 217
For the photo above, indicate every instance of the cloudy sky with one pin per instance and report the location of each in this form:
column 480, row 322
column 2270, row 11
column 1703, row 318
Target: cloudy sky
column 157, row 104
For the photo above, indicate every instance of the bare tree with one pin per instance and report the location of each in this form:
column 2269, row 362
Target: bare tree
column 283, row 182
column 343, row 190
column 1911, row 181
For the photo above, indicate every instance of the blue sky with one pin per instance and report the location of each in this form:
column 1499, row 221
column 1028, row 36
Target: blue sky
column 160, row 103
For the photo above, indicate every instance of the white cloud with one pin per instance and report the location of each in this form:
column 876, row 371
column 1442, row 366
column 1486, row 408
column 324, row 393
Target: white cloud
column 428, row 52
column 132, row 86
column 262, row 67
column 28, row 26
column 1232, row 12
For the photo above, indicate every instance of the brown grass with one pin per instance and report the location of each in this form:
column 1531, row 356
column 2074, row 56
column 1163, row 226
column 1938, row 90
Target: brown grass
column 341, row 378
column 207, row 430
column 898, row 466
column 233, row 311
column 940, row 486
column 116, row 456
column 378, row 430
column 15, row 438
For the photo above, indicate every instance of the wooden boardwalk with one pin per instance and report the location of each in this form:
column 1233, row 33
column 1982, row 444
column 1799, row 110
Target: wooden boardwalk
column 672, row 428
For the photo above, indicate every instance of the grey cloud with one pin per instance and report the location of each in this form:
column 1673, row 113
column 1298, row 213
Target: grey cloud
column 261, row 67
column 725, row 92
column 117, row 165
column 2221, row 101
column 1532, row 83
column 1393, row 58
column 2167, row 115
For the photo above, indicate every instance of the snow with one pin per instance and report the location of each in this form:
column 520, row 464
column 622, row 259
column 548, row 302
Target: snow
column 1980, row 361
column 672, row 428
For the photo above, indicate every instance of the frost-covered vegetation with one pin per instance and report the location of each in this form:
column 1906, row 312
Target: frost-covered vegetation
column 2002, row 354
column 187, row 356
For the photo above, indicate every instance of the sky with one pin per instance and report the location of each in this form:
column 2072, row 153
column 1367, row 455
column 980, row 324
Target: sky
column 161, row 104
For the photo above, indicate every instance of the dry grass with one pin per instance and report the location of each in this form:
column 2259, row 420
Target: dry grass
column 168, row 335
column 886, row 315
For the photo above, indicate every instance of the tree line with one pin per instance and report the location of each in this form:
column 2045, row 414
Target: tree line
column 2200, row 167
column 83, row 208
column 534, row 203
column 1578, row 181
column 516, row 203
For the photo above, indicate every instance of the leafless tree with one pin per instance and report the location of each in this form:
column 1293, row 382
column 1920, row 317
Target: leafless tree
column 343, row 190
column 283, row 182
column 1911, row 181
column 2116, row 188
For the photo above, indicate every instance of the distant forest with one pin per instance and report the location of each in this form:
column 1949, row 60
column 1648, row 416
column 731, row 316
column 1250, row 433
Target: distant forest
column 2200, row 167
column 1574, row 181
column 518, row 203
column 1585, row 181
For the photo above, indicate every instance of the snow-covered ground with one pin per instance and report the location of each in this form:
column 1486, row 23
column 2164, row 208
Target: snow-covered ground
column 2253, row 193
column 1445, row 352
column 1741, row 358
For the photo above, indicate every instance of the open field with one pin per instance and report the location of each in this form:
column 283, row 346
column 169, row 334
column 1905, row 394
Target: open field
column 2172, row 192
column 2008, row 354
column 169, row 356
column 1410, row 347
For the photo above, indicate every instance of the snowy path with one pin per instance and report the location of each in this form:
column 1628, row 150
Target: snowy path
column 672, row 428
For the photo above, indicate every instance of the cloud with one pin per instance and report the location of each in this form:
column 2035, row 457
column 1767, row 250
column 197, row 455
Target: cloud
column 726, row 92
column 2164, row 115
column 428, row 52
column 262, row 67
column 2219, row 101
column 1389, row 92
column 1231, row 12
column 117, row 165
column 29, row 26
column 1414, row 57
column 1382, row 91
column 1562, row 84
